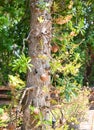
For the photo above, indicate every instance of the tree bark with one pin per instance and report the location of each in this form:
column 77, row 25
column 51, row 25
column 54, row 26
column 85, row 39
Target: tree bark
column 39, row 51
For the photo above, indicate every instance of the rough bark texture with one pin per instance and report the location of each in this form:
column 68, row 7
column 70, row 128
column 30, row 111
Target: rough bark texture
column 39, row 51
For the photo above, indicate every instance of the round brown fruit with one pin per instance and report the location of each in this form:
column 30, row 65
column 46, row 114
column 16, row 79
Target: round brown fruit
column 54, row 48
column 44, row 77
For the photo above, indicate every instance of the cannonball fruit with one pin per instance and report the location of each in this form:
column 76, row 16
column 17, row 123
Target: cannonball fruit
column 44, row 77
column 54, row 48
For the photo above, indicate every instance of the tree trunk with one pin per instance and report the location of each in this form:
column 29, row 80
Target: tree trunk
column 38, row 80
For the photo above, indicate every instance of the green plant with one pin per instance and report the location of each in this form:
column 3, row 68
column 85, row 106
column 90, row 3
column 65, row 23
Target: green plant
column 1, row 111
column 43, row 5
column 22, row 64
column 75, row 111
column 16, row 82
column 3, row 116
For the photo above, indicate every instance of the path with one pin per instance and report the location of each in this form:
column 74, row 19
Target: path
column 89, row 123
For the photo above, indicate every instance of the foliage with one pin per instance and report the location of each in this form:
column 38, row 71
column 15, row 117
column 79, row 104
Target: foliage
column 3, row 116
column 73, row 112
column 1, row 111
column 43, row 5
column 73, row 34
column 12, row 32
column 76, row 110
column 17, row 85
column 68, row 61
column 16, row 82
column 21, row 64
column 72, row 22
